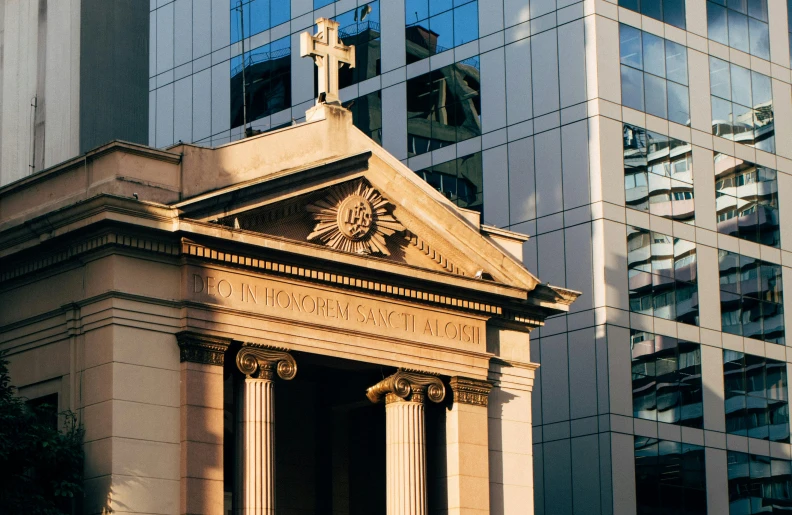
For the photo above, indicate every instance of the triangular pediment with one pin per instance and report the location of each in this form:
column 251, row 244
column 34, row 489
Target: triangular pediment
column 355, row 202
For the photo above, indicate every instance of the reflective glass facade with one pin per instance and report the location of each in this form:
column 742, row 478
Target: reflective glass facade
column 670, row 478
column 759, row 484
column 634, row 141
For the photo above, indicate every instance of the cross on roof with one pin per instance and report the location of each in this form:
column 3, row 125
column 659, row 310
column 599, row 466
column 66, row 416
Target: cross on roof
column 329, row 53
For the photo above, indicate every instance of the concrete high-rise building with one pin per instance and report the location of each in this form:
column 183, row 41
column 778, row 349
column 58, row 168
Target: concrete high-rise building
column 647, row 141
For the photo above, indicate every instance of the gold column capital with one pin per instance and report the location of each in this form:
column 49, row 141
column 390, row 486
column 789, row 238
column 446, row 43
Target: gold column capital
column 202, row 348
column 263, row 362
column 470, row 391
column 407, row 385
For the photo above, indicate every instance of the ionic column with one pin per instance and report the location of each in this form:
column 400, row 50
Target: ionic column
column 257, row 425
column 405, row 435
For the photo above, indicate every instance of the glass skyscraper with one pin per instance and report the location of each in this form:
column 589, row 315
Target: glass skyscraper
column 646, row 148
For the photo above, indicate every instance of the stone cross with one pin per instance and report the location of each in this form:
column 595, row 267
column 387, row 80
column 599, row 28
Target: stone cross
column 329, row 53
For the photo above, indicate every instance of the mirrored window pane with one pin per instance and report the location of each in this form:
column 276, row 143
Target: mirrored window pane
column 632, row 88
column 630, row 46
column 717, row 23
column 654, row 54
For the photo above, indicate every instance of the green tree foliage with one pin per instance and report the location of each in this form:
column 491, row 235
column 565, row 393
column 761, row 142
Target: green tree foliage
column 40, row 466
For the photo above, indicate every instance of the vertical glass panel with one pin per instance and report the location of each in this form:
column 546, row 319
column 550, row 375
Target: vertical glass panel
column 443, row 26
column 717, row 25
column 630, row 47
column 674, row 13
column 741, row 85
column 678, row 104
column 759, row 38
column 416, row 10
column 738, row 31
column 758, row 9
column 439, row 6
column 259, row 16
column 652, row 8
column 722, row 118
column 720, row 78
column 280, row 12
column 653, row 54
column 466, row 23
column 738, row 5
column 632, row 88
column 655, row 96
column 762, row 92
column 676, row 62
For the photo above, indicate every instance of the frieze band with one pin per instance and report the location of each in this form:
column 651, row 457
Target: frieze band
column 470, row 391
column 264, row 362
column 406, row 385
column 201, row 348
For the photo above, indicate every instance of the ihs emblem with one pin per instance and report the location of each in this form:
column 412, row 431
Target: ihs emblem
column 353, row 218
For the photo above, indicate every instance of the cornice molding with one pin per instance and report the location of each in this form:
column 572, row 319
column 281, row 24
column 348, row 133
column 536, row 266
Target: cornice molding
column 201, row 348
column 470, row 391
column 407, row 386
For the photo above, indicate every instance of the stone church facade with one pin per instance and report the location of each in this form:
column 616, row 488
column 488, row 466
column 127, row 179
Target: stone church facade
column 294, row 323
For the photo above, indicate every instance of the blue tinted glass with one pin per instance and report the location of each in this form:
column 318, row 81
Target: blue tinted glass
column 632, row 88
column 674, row 13
column 443, row 26
column 738, row 31
column 633, row 5
column 741, row 85
column 259, row 16
column 652, row 8
column 630, row 46
column 760, row 38
column 655, row 96
column 758, row 9
column 466, row 23
column 761, row 89
column 721, row 118
column 280, row 12
column 738, row 5
column 717, row 28
column 416, row 10
column 439, row 6
column 678, row 104
column 676, row 62
column 653, row 54
column 720, row 79
column 240, row 14
column 319, row 3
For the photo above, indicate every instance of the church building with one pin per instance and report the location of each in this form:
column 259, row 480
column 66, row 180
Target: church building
column 293, row 323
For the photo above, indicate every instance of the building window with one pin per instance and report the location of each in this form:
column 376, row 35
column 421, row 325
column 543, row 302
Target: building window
column 671, row 12
column 460, row 180
column 755, row 392
column 320, row 3
column 662, row 276
column 751, row 296
column 747, row 200
column 443, row 107
column 670, row 478
column 249, row 17
column 367, row 114
column 658, row 174
column 666, row 379
column 654, row 75
column 267, row 77
column 434, row 26
column 740, row 24
column 742, row 105
column 758, row 484
column 360, row 27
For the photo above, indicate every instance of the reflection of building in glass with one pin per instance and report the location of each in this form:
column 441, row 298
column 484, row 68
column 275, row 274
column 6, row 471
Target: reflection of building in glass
column 756, row 401
column 443, row 107
column 669, row 477
column 662, row 276
column 747, row 200
column 268, row 81
column 367, row 114
column 759, row 484
column 460, row 180
column 751, row 296
column 658, row 174
column 666, row 379
column 365, row 38
column 433, row 26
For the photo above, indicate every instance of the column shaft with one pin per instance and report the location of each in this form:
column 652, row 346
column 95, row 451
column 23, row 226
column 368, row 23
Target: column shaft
column 406, row 458
column 258, row 427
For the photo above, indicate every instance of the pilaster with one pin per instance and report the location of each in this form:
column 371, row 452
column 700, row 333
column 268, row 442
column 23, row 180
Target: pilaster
column 202, row 359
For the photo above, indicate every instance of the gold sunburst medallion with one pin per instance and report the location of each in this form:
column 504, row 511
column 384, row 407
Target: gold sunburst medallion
column 354, row 218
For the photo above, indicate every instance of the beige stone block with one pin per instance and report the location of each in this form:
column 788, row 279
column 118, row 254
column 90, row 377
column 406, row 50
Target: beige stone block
column 202, row 460
column 766, row 158
column 684, row 231
column 142, row 347
column 510, row 468
column 706, row 237
column 697, row 43
column 201, row 496
column 775, row 351
column 637, row 218
column 510, row 405
column 711, row 337
column 517, row 499
column 656, row 124
column 779, row 35
column 700, row 105
column 515, row 437
column 760, row 65
column 750, row 249
column 642, row 322
column 146, row 384
column 98, row 384
column 96, row 495
column 145, row 421
column 633, row 117
column 199, row 424
column 678, row 131
column 696, row 18
column 729, row 243
column 703, row 138
column 740, row 58
column 144, row 495
column 98, row 346
column 689, row 333
column 613, row 212
column 145, row 459
column 665, row 327
column 732, row 342
column 97, row 420
column 755, row 347
column 661, row 225
column 723, row 145
column 709, row 288
column 770, row 254
column 98, row 458
column 629, row 17
column 745, row 152
column 202, row 388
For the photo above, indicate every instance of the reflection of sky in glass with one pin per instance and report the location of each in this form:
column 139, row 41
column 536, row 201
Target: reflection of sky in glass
column 258, row 16
column 455, row 23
